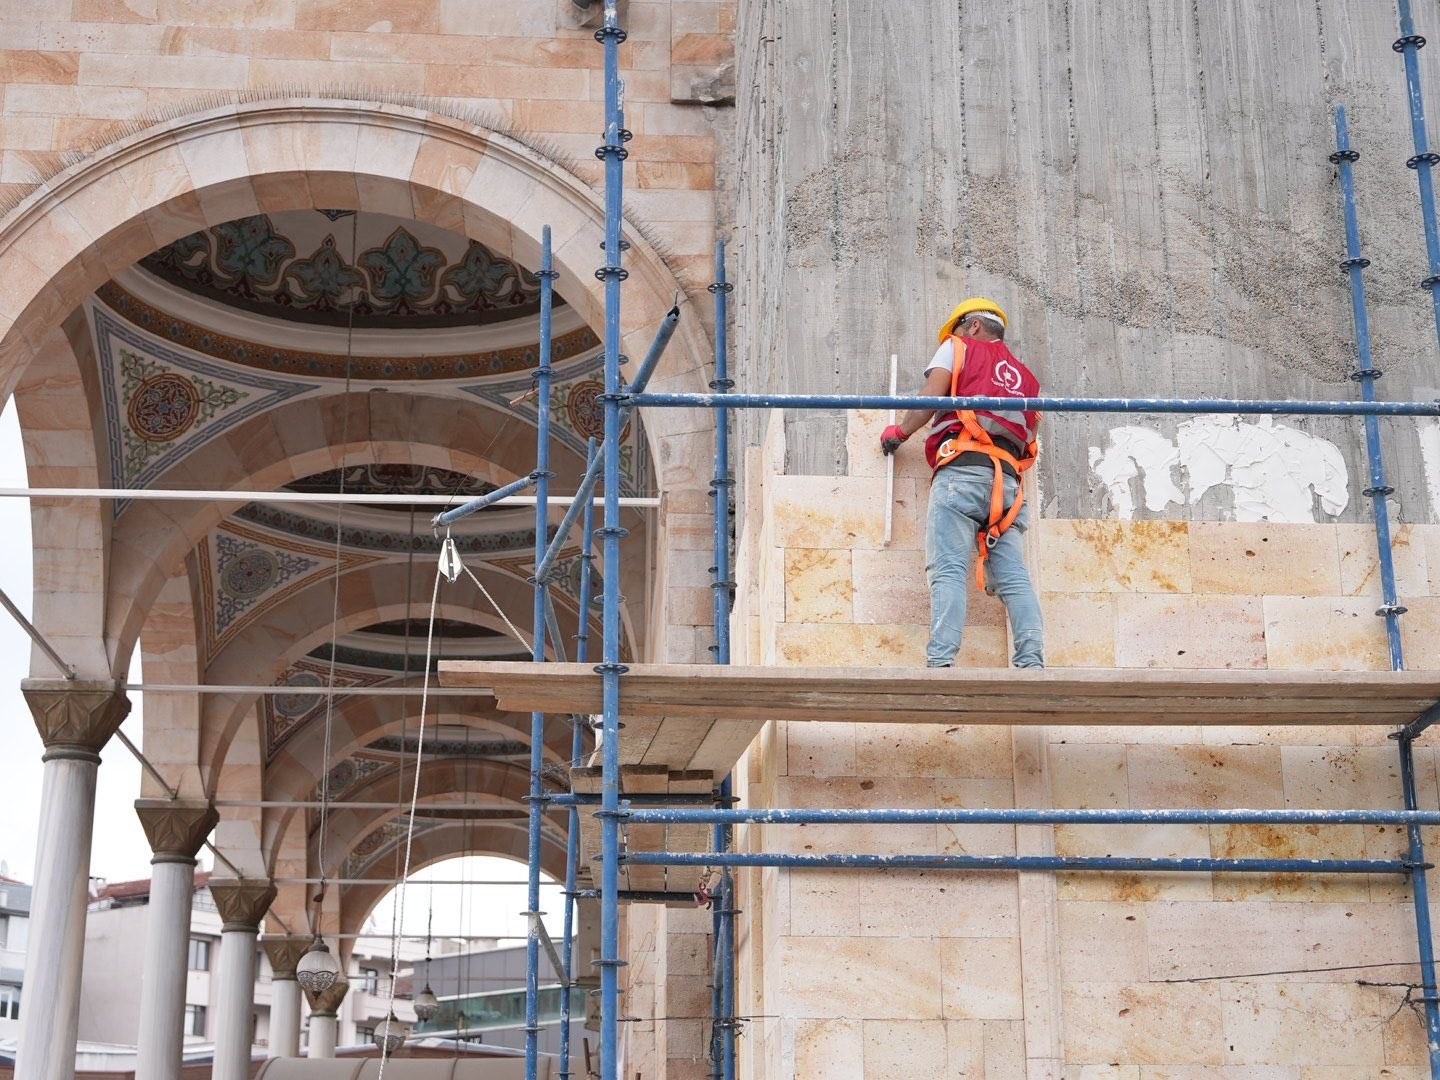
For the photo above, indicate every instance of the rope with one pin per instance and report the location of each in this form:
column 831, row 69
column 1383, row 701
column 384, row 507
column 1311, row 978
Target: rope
column 498, row 609
column 410, row 825
column 335, row 605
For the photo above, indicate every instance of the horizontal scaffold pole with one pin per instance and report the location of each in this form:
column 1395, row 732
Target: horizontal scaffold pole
column 1220, row 406
column 1017, row 862
column 1021, row 816
column 328, row 498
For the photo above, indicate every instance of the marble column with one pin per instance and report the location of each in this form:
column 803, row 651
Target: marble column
column 284, row 954
column 242, row 904
column 325, row 1019
column 176, row 828
column 75, row 719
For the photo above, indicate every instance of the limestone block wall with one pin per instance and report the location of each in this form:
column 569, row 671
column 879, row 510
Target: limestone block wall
column 1131, row 977
column 75, row 72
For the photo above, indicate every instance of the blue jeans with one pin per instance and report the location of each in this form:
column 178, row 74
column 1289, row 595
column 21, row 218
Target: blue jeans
column 959, row 508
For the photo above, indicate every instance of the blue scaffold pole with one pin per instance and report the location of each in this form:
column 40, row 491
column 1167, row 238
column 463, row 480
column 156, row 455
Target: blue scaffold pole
column 723, row 999
column 1061, row 863
column 1190, row 406
column 1379, row 491
column 1020, row 815
column 613, row 153
column 1424, row 160
column 542, row 474
column 577, row 753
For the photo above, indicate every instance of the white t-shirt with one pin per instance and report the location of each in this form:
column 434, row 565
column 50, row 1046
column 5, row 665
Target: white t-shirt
column 944, row 357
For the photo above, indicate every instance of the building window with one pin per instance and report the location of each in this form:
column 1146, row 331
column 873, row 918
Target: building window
column 364, row 1034
column 195, row 1020
column 9, row 1003
column 199, row 954
column 4, row 931
column 372, row 979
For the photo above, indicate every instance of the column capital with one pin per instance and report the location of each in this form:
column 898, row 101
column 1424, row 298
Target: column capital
column 176, row 828
column 327, row 1002
column 284, row 954
column 75, row 717
column 242, row 904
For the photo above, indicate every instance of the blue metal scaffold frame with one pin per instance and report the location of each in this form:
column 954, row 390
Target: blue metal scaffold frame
column 613, row 810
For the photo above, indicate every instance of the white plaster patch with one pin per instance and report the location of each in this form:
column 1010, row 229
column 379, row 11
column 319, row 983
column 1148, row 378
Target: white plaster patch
column 1274, row 472
column 1429, row 433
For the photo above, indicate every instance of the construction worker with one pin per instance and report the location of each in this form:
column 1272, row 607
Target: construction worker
column 977, row 504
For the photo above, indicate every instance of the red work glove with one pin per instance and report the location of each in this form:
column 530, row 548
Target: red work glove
column 891, row 438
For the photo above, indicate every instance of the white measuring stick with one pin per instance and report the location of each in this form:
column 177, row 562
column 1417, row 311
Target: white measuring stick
column 890, row 459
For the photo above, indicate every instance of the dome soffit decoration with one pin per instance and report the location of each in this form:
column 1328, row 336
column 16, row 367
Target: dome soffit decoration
column 302, row 266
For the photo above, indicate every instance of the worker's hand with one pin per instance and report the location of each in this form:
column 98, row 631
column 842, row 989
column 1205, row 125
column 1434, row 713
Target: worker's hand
column 891, row 438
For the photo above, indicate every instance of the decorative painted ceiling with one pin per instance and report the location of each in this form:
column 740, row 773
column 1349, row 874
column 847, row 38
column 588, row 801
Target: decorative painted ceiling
column 305, row 266
column 163, row 400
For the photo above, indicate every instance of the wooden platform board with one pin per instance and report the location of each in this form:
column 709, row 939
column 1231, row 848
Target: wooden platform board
column 692, row 716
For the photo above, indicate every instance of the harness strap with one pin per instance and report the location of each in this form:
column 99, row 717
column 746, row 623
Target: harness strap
column 974, row 438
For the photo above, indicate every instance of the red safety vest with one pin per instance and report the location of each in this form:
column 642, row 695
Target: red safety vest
column 988, row 369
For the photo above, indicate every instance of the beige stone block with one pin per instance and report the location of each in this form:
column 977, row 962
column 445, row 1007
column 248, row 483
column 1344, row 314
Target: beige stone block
column 1420, row 632
column 1005, row 1050
column 1327, row 633
column 964, row 1049
column 947, row 904
column 216, row 73
column 1336, row 778
column 1101, row 1072
column 1264, row 558
column 1224, row 1072
column 829, row 644
column 1080, row 630
column 975, row 839
column 819, row 749
column 897, row 1048
column 1150, row 841
column 250, row 14
column 828, row 1048
column 1289, row 842
column 818, row 585
column 840, row 512
column 823, row 903
column 104, row 11
column 101, row 102
column 1203, row 940
column 929, row 750
column 863, row 978
column 1102, row 942
column 1143, row 1023
column 1202, row 776
column 980, row 978
column 1302, row 1024
column 35, row 66
column 1084, row 555
column 1158, row 631
column 1360, row 561
column 1089, row 776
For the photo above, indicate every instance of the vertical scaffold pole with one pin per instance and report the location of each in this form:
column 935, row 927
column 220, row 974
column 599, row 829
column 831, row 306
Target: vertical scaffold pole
column 577, row 752
column 1354, row 264
column 613, row 153
column 723, row 996
column 542, row 476
column 1424, row 159
column 1379, row 491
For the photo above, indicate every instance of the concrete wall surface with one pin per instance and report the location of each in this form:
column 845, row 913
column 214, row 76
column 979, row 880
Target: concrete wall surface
column 1143, row 184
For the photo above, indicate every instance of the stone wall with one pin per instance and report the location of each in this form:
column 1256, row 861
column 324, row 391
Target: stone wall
column 1122, row 977
column 77, row 72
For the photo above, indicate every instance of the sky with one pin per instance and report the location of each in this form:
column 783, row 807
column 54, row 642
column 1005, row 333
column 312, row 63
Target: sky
column 120, row 851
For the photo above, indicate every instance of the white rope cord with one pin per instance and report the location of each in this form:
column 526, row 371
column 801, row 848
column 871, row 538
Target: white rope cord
column 498, row 609
column 410, row 825
column 335, row 605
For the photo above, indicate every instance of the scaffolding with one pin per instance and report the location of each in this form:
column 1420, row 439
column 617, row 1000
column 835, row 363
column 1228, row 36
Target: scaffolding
column 1411, row 705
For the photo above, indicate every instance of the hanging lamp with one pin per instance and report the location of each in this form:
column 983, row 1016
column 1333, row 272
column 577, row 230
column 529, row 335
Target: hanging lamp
column 318, row 970
column 390, row 1034
column 426, row 1003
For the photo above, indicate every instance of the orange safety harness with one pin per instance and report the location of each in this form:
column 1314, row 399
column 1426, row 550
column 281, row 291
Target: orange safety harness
column 972, row 438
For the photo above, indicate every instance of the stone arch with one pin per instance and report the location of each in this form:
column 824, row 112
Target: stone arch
column 104, row 213
column 502, row 840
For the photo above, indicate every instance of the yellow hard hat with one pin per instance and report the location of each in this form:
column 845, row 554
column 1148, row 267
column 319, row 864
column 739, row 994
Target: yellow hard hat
column 970, row 307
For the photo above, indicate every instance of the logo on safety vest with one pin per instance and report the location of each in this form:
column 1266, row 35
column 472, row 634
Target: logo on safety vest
column 1007, row 376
